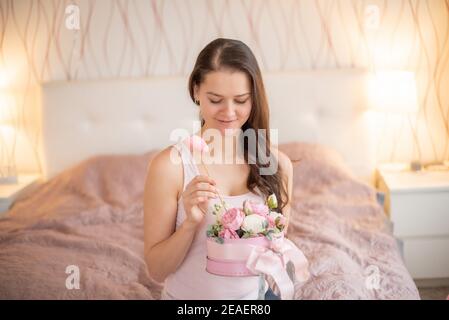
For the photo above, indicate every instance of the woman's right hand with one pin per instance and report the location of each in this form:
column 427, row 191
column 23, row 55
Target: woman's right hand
column 196, row 198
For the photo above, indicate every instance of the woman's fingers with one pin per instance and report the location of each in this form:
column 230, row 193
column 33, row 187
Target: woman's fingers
column 194, row 186
column 199, row 190
column 200, row 200
column 201, row 197
column 202, row 186
column 203, row 178
column 200, row 193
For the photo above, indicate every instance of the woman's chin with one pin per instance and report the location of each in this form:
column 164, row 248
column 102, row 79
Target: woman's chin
column 228, row 130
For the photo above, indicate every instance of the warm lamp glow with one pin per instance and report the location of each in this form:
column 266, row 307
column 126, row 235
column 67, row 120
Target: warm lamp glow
column 393, row 91
column 3, row 80
column 8, row 174
column 7, row 107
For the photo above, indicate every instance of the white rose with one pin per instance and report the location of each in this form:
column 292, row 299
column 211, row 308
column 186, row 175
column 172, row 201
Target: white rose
column 254, row 223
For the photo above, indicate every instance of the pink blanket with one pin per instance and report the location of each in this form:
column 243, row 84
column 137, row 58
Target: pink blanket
column 90, row 216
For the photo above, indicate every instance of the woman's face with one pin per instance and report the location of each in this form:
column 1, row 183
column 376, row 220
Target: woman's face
column 225, row 99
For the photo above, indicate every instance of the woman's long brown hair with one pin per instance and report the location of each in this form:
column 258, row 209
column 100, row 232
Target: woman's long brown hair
column 229, row 54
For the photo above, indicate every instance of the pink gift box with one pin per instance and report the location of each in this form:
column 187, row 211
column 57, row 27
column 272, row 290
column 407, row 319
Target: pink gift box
column 278, row 258
column 229, row 258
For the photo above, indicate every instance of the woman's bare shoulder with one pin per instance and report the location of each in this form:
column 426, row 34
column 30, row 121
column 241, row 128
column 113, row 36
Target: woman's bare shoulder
column 167, row 165
column 168, row 156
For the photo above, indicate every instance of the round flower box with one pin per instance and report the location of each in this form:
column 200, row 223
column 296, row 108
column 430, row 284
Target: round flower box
column 229, row 258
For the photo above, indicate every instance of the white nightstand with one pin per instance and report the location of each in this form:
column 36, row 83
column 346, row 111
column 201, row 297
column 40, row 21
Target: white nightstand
column 418, row 205
column 11, row 192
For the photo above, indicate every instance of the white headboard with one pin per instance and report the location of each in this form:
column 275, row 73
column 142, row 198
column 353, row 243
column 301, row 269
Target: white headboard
column 86, row 118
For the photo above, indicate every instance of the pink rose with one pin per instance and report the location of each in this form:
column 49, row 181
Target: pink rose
column 253, row 207
column 195, row 142
column 232, row 218
column 271, row 221
column 228, row 234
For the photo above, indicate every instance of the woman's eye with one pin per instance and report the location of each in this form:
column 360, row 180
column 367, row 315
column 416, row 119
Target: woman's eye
column 219, row 101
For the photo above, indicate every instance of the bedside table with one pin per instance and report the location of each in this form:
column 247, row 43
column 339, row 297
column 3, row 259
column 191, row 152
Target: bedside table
column 11, row 192
column 418, row 205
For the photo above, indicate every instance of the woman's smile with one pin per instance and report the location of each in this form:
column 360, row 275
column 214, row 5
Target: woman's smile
column 225, row 122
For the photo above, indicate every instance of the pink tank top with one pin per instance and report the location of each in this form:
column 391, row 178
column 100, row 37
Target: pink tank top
column 191, row 280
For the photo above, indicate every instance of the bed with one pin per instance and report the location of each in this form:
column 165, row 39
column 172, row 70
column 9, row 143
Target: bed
column 98, row 139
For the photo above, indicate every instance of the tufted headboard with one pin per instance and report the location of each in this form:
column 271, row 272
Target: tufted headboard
column 85, row 118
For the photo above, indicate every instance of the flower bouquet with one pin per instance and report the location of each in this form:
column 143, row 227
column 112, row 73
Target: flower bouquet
column 252, row 220
column 250, row 241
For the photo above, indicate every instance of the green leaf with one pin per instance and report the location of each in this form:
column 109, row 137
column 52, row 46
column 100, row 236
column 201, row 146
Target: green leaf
column 247, row 235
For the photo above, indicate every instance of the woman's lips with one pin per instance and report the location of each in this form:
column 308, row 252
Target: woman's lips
column 225, row 121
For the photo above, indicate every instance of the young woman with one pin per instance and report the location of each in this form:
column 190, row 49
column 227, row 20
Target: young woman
column 226, row 84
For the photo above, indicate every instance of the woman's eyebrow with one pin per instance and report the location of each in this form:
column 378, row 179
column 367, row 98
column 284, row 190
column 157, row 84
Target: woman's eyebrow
column 239, row 95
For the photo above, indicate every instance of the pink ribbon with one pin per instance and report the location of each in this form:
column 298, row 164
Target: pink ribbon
column 273, row 261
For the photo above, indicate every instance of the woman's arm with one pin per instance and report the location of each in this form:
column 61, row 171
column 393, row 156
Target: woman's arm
column 164, row 248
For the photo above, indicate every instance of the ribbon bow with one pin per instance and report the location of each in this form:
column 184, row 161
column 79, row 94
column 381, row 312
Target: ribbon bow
column 275, row 261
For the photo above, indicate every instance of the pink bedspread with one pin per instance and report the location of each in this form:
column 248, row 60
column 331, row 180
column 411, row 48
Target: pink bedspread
column 91, row 216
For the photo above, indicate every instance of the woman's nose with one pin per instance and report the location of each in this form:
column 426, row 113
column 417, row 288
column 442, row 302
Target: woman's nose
column 229, row 108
